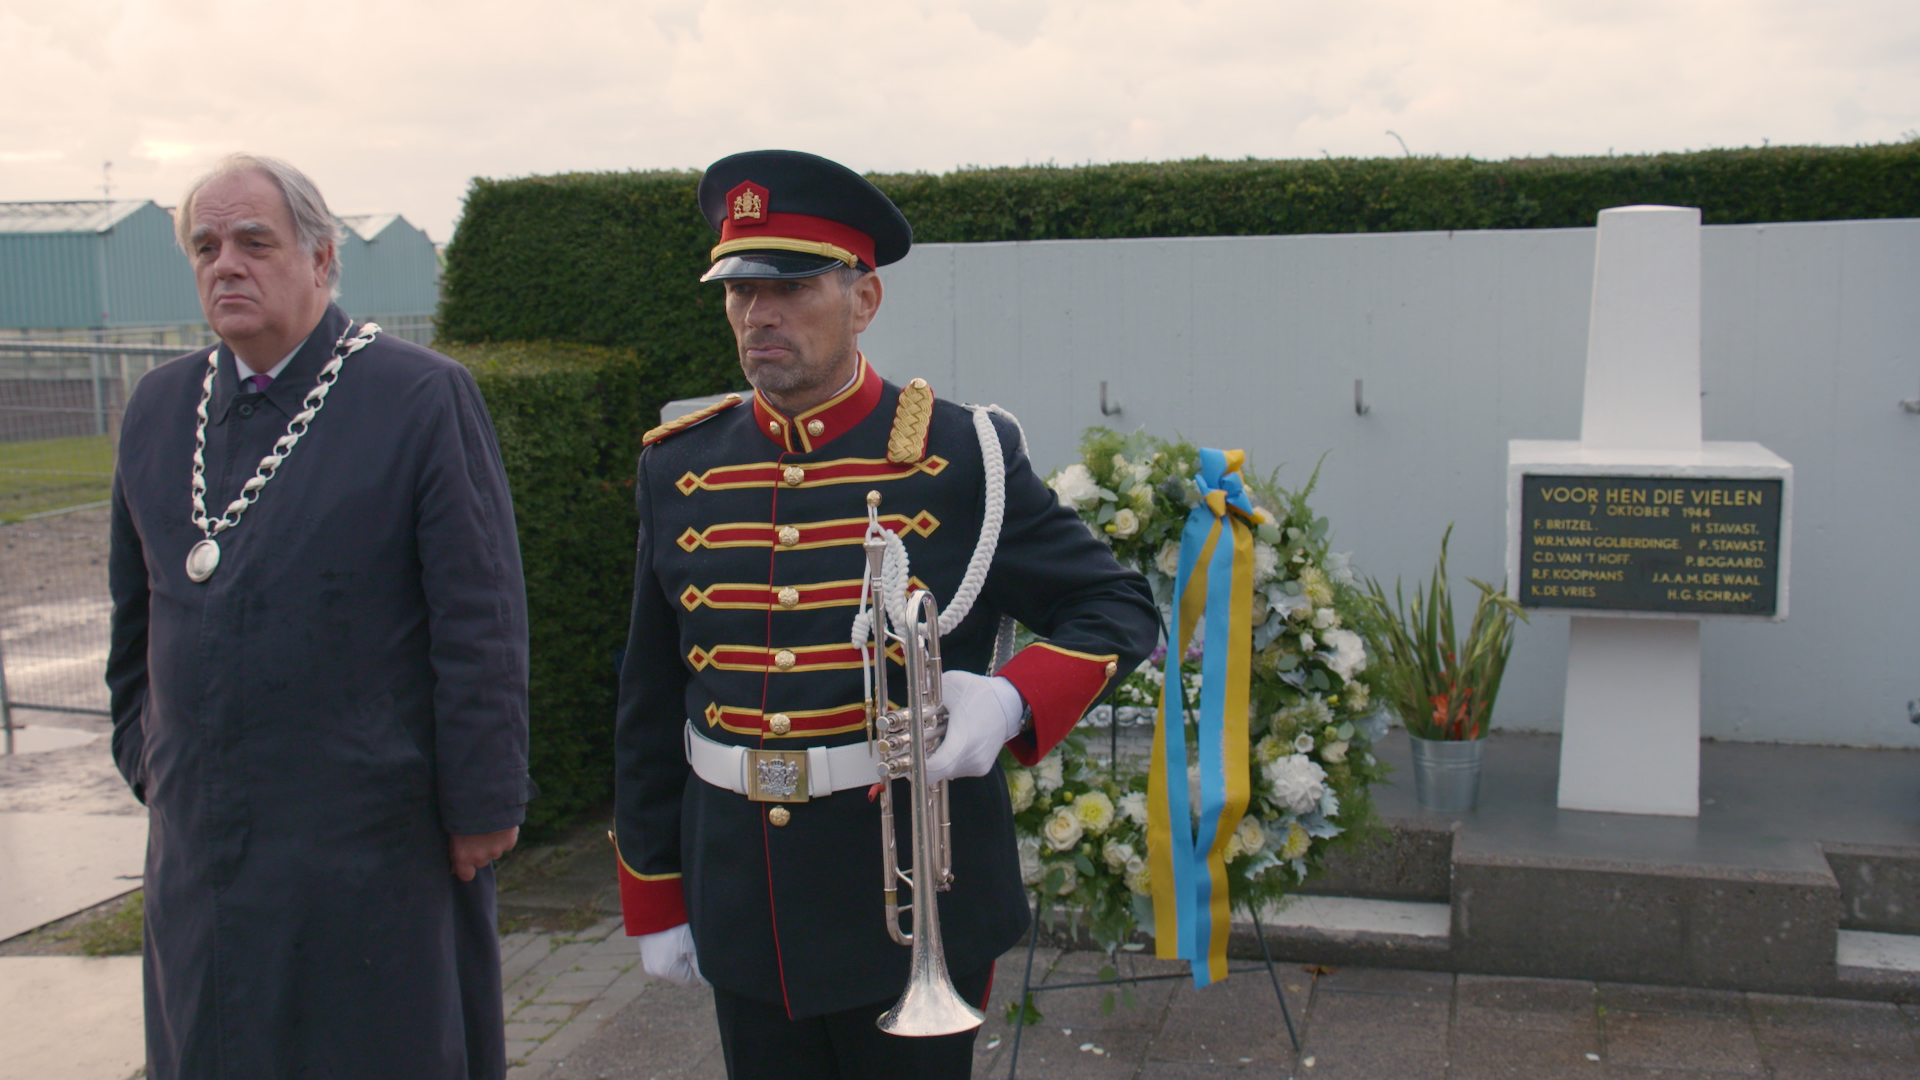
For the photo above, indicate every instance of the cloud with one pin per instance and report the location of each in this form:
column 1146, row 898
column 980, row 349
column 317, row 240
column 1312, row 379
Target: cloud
column 395, row 106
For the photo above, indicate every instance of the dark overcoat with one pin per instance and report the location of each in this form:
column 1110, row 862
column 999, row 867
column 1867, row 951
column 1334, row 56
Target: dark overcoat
column 308, row 726
column 744, row 627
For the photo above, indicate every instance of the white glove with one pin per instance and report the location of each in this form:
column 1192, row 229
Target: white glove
column 669, row 955
column 982, row 715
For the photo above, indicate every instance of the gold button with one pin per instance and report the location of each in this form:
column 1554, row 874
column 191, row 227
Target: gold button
column 773, row 427
column 779, row 815
column 789, row 536
column 816, row 429
column 793, row 474
column 873, row 498
column 784, row 659
column 918, row 384
column 789, row 596
column 779, row 723
column 1112, row 666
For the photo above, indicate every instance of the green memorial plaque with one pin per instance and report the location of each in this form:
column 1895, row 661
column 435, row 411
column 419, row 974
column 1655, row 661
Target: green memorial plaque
column 1684, row 546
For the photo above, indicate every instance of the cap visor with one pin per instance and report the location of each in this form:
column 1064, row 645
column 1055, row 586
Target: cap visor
column 770, row 264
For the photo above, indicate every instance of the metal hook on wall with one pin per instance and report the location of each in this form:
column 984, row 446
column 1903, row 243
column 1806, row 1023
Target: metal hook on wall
column 1107, row 409
column 1360, row 406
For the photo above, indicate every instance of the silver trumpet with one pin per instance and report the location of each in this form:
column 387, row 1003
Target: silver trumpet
column 930, row 1005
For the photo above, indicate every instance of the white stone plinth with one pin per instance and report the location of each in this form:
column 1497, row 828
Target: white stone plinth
column 1643, row 340
column 1631, row 742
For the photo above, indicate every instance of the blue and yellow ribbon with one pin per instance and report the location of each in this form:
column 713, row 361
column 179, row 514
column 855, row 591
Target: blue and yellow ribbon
column 1187, row 860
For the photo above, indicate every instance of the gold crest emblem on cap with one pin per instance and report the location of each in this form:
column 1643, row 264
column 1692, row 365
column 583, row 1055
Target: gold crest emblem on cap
column 749, row 204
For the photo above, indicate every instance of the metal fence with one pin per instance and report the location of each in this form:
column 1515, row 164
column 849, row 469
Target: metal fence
column 60, row 407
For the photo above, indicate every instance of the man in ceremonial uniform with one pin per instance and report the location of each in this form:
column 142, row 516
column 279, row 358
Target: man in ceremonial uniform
column 748, row 578
column 318, row 671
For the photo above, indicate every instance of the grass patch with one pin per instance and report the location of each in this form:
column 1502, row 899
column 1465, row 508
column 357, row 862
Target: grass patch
column 117, row 932
column 49, row 474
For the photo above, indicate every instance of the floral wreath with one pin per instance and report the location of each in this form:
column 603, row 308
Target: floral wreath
column 1081, row 817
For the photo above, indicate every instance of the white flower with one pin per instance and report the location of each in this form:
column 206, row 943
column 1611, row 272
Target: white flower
column 1340, row 567
column 1070, row 879
column 1094, row 810
column 1134, row 805
column 1117, row 855
column 1349, row 652
column 1325, row 618
column 1303, row 743
column 1168, row 561
column 1141, row 496
column 1031, row 871
column 1297, row 783
column 1296, row 843
column 1138, row 881
column 1259, row 607
column 1076, row 487
column 1358, row 697
column 1125, row 524
column 1294, row 606
column 1020, row 788
column 1267, row 750
column 1049, row 773
column 1306, row 641
column 1266, row 562
column 1334, row 753
column 1252, row 836
column 1314, row 584
column 1063, row 829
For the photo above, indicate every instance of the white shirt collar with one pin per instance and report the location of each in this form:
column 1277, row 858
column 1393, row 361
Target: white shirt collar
column 242, row 372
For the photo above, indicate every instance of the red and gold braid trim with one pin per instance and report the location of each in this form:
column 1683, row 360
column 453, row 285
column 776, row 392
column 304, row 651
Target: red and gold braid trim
column 805, row 722
column 767, row 474
column 729, row 596
column 814, row 534
column 778, row 661
column 1059, row 685
column 794, row 232
column 649, row 903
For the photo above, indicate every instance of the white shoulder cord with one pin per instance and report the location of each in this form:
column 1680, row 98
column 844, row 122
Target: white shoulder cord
column 893, row 584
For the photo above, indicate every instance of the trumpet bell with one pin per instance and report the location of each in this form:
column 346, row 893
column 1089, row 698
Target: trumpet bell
column 931, row 1006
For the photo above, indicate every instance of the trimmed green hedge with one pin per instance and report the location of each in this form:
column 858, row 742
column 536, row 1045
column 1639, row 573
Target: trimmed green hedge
column 569, row 418
column 613, row 260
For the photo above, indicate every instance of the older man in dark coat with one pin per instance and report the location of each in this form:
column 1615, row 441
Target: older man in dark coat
column 318, row 671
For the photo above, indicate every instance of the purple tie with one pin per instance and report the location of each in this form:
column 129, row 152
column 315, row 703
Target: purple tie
column 260, row 383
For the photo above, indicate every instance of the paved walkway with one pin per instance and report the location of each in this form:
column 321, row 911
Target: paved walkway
column 580, row 1008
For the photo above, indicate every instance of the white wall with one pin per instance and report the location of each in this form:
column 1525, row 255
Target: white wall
column 1811, row 337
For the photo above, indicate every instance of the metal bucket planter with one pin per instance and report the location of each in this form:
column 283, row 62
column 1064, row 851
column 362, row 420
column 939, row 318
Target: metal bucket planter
column 1446, row 772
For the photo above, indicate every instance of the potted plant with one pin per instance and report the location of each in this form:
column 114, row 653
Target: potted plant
column 1442, row 688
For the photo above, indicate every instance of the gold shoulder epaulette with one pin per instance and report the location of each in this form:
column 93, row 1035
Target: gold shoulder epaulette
column 681, row 423
column 911, row 418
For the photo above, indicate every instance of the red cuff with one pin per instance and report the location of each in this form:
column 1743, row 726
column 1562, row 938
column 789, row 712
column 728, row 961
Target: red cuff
column 1059, row 685
column 650, row 903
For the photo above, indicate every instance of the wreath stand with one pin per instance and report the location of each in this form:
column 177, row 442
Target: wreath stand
column 1027, row 989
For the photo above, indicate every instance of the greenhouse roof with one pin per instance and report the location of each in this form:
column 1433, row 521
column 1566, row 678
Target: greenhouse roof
column 78, row 216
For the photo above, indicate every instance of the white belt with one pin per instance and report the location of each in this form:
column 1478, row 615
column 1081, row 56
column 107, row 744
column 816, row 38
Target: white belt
column 781, row 775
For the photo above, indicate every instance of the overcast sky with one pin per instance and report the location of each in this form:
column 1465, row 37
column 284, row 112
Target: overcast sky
column 395, row 106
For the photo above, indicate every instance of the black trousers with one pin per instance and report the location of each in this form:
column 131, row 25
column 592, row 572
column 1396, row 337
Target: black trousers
column 760, row 1043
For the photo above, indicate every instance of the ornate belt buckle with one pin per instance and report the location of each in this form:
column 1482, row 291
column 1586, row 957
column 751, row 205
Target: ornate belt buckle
column 777, row 776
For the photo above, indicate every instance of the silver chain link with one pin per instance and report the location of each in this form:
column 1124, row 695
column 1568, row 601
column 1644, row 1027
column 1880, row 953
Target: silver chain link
column 309, row 408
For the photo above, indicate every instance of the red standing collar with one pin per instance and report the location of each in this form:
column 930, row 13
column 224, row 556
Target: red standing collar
column 825, row 422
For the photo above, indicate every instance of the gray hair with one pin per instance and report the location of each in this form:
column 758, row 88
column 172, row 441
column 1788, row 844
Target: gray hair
column 314, row 226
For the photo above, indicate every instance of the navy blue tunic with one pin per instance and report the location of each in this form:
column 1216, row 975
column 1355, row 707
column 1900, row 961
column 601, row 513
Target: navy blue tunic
column 309, row 725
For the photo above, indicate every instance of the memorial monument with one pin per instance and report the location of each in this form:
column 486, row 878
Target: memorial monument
column 1639, row 530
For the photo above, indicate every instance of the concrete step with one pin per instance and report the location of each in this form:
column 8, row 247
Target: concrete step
column 1869, row 964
